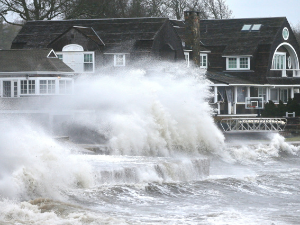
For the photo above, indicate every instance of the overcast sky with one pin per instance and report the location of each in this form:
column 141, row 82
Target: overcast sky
column 266, row 8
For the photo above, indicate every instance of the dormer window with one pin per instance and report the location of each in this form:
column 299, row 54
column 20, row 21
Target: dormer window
column 203, row 61
column 251, row 27
column 119, row 60
column 76, row 58
column 238, row 63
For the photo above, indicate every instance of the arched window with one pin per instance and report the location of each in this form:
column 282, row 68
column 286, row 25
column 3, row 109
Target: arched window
column 285, row 59
column 72, row 48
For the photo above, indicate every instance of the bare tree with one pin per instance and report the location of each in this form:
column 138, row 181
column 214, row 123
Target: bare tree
column 209, row 9
column 156, row 8
column 217, row 9
column 92, row 9
column 31, row 9
column 296, row 30
column 76, row 9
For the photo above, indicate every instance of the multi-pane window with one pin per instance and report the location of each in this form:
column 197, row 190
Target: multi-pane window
column 279, row 61
column 238, row 63
column 262, row 92
column 15, row 89
column 244, row 63
column 27, row 86
column 232, row 63
column 88, row 62
column 119, row 60
column 6, row 88
column 65, row 87
column 47, row 86
column 203, row 61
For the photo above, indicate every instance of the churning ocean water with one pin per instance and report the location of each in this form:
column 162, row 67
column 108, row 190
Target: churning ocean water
column 165, row 162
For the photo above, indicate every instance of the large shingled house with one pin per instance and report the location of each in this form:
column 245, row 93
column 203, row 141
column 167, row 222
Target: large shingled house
column 244, row 58
column 255, row 57
column 87, row 45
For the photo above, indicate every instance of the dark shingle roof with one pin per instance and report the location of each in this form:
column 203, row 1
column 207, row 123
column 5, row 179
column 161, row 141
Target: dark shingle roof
column 31, row 60
column 228, row 33
column 224, row 78
column 284, row 80
column 90, row 33
column 38, row 34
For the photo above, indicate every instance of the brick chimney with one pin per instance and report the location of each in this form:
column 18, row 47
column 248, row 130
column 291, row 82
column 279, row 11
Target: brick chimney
column 192, row 34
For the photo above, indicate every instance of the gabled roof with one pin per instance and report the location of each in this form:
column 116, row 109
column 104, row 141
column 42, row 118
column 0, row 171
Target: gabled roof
column 86, row 31
column 37, row 60
column 228, row 32
column 38, row 34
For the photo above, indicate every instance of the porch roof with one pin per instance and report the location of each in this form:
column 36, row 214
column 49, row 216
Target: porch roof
column 31, row 60
column 224, row 78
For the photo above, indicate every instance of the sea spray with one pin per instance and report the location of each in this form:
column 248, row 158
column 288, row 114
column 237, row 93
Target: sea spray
column 149, row 111
column 35, row 165
column 259, row 151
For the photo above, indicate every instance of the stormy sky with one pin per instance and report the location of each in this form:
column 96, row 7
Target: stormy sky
column 266, row 8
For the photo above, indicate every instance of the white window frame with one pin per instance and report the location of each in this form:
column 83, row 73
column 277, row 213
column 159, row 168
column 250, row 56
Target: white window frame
column 29, row 85
column 48, row 84
column 285, row 33
column 238, row 65
column 276, row 64
column 262, row 92
column 203, row 64
column 89, row 61
column 187, row 58
column 116, row 60
column 65, row 87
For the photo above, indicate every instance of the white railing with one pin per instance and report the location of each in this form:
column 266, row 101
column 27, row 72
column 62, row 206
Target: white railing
column 253, row 124
column 296, row 72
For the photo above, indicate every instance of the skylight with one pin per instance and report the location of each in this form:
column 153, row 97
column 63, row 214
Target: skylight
column 251, row 27
column 246, row 27
column 256, row 27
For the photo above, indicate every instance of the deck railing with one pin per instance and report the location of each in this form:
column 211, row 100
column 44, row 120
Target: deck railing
column 253, row 124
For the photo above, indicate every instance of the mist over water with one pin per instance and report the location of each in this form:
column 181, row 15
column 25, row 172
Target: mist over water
column 150, row 111
column 166, row 162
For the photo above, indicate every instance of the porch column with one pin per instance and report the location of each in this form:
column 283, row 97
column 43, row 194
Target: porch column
column 292, row 93
column 248, row 92
column 229, row 108
column 267, row 94
column 215, row 94
column 219, row 110
column 235, row 99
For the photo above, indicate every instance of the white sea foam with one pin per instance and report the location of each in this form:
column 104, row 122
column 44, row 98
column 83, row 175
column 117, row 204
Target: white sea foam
column 12, row 212
column 33, row 165
column 150, row 112
column 259, row 151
